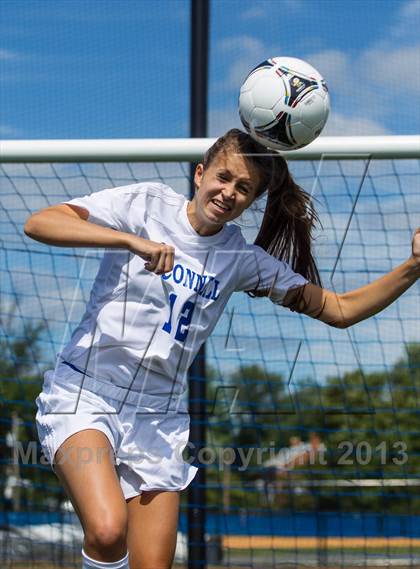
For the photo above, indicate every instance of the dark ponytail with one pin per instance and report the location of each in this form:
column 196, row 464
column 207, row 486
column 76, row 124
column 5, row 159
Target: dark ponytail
column 288, row 222
column 289, row 217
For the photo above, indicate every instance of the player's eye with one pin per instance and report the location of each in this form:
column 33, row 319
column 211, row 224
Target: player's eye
column 222, row 177
column 244, row 189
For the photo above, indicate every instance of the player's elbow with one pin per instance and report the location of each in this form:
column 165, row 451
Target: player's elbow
column 338, row 319
column 31, row 225
column 338, row 311
column 341, row 320
column 340, row 323
column 35, row 226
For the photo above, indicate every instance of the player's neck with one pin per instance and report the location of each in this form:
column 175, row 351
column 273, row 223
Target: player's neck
column 199, row 225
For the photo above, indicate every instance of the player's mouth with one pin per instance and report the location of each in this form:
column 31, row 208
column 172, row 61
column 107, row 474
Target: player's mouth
column 220, row 206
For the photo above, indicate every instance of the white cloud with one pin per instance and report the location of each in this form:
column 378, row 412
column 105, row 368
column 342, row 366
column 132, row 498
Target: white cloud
column 245, row 53
column 264, row 9
column 398, row 69
column 293, row 6
column 221, row 120
column 407, row 22
column 411, row 10
column 372, row 81
column 9, row 55
column 342, row 125
column 9, row 131
column 336, row 68
column 237, row 73
column 246, row 44
column 253, row 13
column 366, row 87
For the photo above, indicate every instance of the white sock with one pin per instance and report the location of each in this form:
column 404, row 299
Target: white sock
column 89, row 563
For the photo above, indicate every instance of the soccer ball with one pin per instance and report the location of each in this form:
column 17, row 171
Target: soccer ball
column 284, row 103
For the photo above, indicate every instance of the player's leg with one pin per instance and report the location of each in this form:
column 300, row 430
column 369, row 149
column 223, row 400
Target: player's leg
column 152, row 529
column 85, row 467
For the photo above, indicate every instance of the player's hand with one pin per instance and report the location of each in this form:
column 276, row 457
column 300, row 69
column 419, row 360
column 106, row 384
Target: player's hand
column 416, row 247
column 159, row 257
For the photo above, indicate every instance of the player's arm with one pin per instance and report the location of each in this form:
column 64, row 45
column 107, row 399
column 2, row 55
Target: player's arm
column 344, row 310
column 67, row 225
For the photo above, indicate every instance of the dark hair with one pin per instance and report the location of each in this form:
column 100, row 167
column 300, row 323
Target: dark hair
column 289, row 216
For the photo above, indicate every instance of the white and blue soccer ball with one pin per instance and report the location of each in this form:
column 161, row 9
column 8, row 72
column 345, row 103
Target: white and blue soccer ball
column 284, row 103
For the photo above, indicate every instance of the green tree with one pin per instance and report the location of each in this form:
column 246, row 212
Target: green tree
column 20, row 383
column 369, row 423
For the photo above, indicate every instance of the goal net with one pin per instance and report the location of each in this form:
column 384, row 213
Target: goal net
column 313, row 439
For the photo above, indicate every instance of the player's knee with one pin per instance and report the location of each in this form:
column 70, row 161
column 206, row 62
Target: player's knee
column 107, row 535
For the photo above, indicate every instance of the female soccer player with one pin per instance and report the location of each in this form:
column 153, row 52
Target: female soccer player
column 111, row 417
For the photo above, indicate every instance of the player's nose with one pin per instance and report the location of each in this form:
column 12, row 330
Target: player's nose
column 228, row 192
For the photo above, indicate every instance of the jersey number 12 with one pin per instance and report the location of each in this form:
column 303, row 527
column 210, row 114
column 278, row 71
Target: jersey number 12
column 184, row 320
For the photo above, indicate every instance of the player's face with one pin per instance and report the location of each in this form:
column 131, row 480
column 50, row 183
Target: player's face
column 224, row 190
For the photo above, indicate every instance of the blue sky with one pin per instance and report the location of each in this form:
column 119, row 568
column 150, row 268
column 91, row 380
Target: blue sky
column 120, row 68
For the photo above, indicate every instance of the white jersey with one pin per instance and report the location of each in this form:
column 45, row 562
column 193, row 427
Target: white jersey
column 136, row 319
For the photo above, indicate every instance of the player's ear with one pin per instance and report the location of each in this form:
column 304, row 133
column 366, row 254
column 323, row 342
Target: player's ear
column 198, row 175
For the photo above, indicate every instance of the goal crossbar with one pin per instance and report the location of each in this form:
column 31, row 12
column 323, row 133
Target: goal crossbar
column 192, row 149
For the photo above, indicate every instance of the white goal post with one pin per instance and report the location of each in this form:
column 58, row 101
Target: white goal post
column 192, row 149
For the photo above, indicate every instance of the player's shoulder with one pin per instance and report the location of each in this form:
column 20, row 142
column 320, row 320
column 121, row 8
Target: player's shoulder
column 165, row 193
column 149, row 194
column 151, row 189
column 253, row 255
column 249, row 248
column 261, row 254
column 233, row 236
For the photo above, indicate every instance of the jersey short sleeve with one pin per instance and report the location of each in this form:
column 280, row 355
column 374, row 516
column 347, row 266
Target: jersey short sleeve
column 261, row 272
column 120, row 208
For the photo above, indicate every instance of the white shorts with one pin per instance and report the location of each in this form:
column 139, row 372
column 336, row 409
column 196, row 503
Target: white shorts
column 147, row 439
